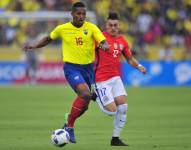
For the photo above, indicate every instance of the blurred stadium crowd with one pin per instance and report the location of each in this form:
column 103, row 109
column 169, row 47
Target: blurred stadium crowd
column 155, row 29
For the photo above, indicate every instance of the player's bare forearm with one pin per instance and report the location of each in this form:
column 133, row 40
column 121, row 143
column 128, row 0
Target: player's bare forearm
column 133, row 62
column 43, row 42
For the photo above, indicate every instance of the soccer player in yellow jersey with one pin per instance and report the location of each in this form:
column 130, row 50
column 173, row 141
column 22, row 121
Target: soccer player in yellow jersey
column 78, row 46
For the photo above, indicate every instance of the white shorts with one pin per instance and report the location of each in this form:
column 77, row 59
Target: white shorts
column 110, row 89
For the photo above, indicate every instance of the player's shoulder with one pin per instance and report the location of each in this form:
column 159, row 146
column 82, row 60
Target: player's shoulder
column 122, row 38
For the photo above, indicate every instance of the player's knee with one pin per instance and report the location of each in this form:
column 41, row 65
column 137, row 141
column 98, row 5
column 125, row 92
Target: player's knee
column 86, row 96
column 110, row 113
column 112, row 109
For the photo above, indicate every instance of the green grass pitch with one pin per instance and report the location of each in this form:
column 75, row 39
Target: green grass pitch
column 158, row 119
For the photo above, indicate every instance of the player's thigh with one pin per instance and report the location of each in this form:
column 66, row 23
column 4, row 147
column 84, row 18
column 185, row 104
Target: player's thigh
column 88, row 75
column 104, row 93
column 75, row 78
column 118, row 88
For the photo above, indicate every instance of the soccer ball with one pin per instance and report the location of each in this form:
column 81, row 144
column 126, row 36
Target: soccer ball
column 60, row 137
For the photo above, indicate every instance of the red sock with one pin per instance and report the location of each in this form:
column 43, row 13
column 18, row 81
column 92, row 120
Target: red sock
column 79, row 106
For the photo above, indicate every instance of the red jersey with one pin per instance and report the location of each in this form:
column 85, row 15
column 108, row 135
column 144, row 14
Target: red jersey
column 109, row 61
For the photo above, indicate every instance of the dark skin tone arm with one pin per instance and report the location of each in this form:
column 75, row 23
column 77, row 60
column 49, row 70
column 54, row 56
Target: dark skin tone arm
column 104, row 45
column 43, row 42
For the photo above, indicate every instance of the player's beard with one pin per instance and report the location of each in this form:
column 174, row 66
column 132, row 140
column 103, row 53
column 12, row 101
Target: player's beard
column 114, row 33
column 80, row 22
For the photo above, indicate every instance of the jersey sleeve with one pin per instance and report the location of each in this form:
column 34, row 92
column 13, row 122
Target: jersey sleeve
column 55, row 33
column 97, row 34
column 126, row 51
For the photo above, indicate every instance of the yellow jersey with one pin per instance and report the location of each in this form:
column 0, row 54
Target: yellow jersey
column 78, row 44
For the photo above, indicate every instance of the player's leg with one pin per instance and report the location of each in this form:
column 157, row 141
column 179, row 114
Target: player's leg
column 112, row 101
column 33, row 70
column 76, row 80
column 83, row 88
column 109, row 109
column 119, row 121
column 120, row 117
column 105, row 98
column 80, row 104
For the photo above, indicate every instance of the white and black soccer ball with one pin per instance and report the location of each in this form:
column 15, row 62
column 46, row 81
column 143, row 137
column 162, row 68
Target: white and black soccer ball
column 60, row 137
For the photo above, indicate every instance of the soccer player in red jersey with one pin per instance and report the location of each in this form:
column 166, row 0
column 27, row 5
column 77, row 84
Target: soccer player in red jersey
column 109, row 87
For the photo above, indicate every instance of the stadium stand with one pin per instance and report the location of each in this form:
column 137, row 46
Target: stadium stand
column 148, row 24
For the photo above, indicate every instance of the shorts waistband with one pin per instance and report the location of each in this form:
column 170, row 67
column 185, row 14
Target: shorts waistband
column 78, row 64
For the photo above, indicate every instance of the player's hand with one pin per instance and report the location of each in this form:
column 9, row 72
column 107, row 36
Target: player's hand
column 142, row 69
column 27, row 47
column 104, row 45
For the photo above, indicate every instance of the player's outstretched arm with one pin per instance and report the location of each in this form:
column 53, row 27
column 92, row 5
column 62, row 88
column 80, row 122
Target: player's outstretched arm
column 43, row 42
column 133, row 62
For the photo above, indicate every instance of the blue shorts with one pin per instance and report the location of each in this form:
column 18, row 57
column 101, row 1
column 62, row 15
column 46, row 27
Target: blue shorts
column 76, row 74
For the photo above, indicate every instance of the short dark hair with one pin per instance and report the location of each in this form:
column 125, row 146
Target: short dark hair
column 77, row 4
column 113, row 16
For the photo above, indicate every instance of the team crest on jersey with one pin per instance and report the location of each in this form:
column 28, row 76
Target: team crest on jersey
column 85, row 31
column 105, row 99
column 121, row 47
